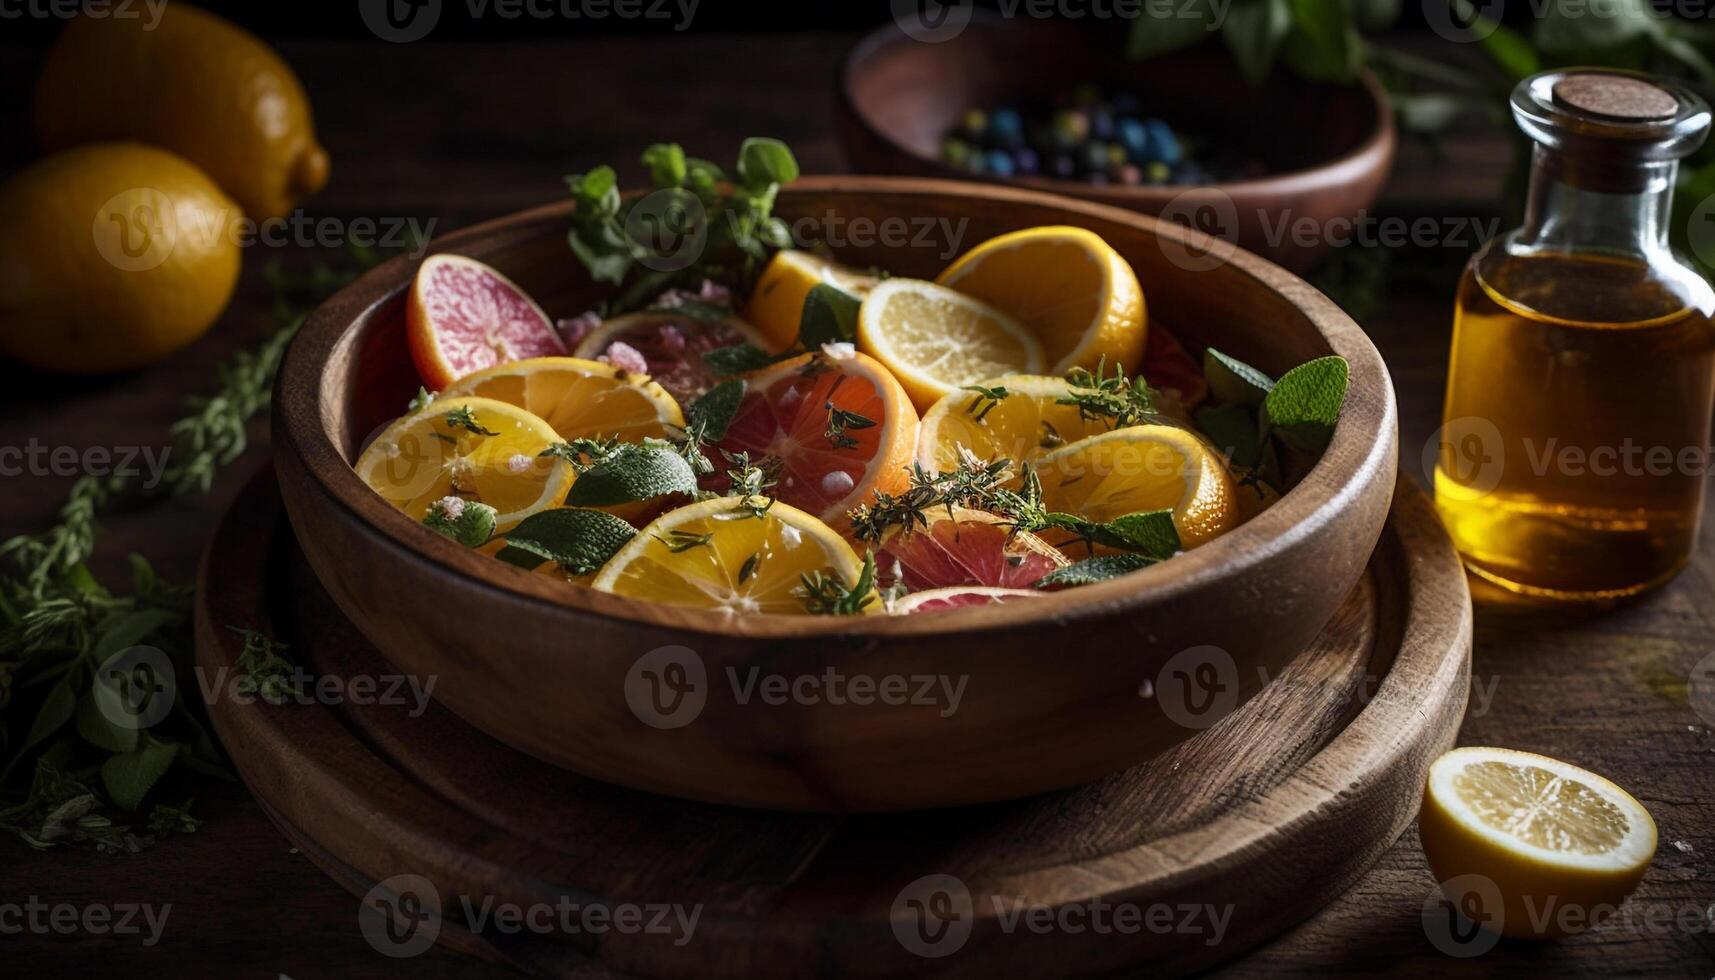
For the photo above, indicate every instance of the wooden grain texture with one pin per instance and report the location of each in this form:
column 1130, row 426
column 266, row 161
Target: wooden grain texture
column 434, row 608
column 1607, row 693
column 1326, row 148
column 1264, row 815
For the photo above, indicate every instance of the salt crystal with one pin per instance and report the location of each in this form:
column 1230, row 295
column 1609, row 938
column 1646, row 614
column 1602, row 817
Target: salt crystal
column 838, row 483
column 672, row 339
column 791, row 535
column 1682, row 847
column 841, row 351
column 626, row 357
column 714, row 292
column 578, row 327
column 518, row 463
column 450, row 508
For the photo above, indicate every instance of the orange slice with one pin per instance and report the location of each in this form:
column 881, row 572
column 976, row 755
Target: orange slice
column 463, row 316
column 1143, row 468
column 1024, row 424
column 578, row 398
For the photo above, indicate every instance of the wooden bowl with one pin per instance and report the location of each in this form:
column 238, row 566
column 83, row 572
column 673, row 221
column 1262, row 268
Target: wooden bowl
column 1326, row 148
column 1050, row 691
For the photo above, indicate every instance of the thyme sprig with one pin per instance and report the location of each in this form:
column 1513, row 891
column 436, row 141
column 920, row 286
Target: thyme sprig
column 752, row 483
column 985, row 401
column 973, row 482
column 825, row 594
column 1114, row 399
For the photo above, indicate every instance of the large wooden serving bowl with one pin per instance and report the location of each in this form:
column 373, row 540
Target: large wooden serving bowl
column 1326, row 148
column 1054, row 689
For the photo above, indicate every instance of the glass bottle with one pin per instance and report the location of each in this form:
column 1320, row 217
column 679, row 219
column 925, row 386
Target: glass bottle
column 1575, row 435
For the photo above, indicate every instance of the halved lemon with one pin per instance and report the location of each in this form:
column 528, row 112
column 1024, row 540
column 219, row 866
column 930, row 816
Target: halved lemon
column 1024, row 424
column 724, row 554
column 1078, row 296
column 776, row 305
column 935, row 340
column 475, row 448
column 578, row 398
column 1562, row 846
column 1143, row 468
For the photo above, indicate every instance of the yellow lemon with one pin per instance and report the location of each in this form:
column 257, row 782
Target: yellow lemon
column 776, row 305
column 474, row 448
column 1560, row 848
column 194, row 84
column 1079, row 296
column 112, row 256
column 724, row 554
column 1143, row 468
column 1025, row 422
column 935, row 340
column 580, row 399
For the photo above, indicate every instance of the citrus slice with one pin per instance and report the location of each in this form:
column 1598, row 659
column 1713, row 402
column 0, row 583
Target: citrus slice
column 935, row 340
column 969, row 548
column 1075, row 293
column 1142, row 468
column 670, row 347
column 1560, row 845
column 579, row 399
column 840, row 425
column 724, row 554
column 463, row 316
column 960, row 597
column 474, row 448
column 776, row 305
column 1024, row 424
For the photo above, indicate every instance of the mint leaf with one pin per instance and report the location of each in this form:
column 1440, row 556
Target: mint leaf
column 1150, row 534
column 472, row 528
column 580, row 541
column 763, row 161
column 1234, row 431
column 1091, row 570
column 666, row 164
column 633, row 471
column 712, row 414
column 737, row 359
column 130, row 776
column 1232, row 381
column 1304, row 404
column 830, row 317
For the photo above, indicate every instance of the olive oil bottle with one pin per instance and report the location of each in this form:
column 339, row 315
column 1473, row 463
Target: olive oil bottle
column 1571, row 460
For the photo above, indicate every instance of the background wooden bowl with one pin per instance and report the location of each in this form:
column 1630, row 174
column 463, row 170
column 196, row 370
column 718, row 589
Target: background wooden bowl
column 1051, row 687
column 1327, row 148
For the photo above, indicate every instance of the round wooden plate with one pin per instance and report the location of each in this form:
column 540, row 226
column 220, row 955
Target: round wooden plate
column 1204, row 851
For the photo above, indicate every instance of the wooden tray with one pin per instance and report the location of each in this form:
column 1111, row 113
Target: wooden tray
column 1207, row 850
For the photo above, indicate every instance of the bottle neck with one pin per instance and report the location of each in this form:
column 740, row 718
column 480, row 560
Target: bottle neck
column 1574, row 209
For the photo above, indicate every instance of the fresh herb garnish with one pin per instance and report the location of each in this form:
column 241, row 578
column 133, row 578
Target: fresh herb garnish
column 463, row 418
column 752, row 483
column 824, row 594
column 985, row 401
column 267, row 674
column 579, row 541
column 469, row 522
column 746, row 570
column 712, row 414
column 839, row 420
column 736, row 359
column 1114, row 399
column 829, row 317
column 1092, row 570
column 631, row 472
column 679, row 541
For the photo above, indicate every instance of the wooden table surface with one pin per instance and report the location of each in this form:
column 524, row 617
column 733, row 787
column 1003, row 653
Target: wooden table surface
column 457, row 132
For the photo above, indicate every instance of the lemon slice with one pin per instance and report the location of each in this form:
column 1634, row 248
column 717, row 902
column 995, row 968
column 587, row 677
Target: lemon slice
column 1142, row 468
column 1561, row 845
column 720, row 554
column 935, row 340
column 1076, row 294
column 579, row 399
column 776, row 305
column 475, row 448
column 1025, row 424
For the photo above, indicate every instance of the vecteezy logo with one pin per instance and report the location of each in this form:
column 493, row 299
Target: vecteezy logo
column 1469, row 453
column 932, row 916
column 667, row 687
column 1701, row 692
column 136, row 230
column 135, row 688
column 672, row 226
column 400, row 21
column 1202, row 209
column 1462, row 21
column 401, row 917
column 931, row 21
column 1198, row 687
column 1463, row 916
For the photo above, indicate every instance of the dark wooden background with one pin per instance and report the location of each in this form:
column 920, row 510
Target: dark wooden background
column 462, row 131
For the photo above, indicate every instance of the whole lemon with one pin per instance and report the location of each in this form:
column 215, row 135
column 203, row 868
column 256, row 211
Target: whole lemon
column 192, row 83
column 111, row 257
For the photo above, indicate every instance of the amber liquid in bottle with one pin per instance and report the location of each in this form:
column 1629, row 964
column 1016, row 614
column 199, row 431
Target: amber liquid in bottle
column 1578, row 418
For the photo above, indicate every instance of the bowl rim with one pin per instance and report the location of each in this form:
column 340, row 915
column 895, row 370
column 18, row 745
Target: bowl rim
column 1369, row 155
column 1364, row 434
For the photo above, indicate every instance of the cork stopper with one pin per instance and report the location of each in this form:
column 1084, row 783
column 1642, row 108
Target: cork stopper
column 1616, row 97
column 1608, row 130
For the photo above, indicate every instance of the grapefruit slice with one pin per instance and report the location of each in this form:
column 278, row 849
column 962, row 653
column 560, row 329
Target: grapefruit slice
column 1167, row 365
column 671, row 347
column 970, row 548
column 463, row 316
column 960, row 597
column 840, row 425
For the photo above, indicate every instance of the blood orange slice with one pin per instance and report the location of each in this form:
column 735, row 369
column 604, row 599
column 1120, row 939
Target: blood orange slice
column 840, row 425
column 960, row 597
column 670, row 347
column 463, row 316
column 969, row 548
column 1166, row 364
